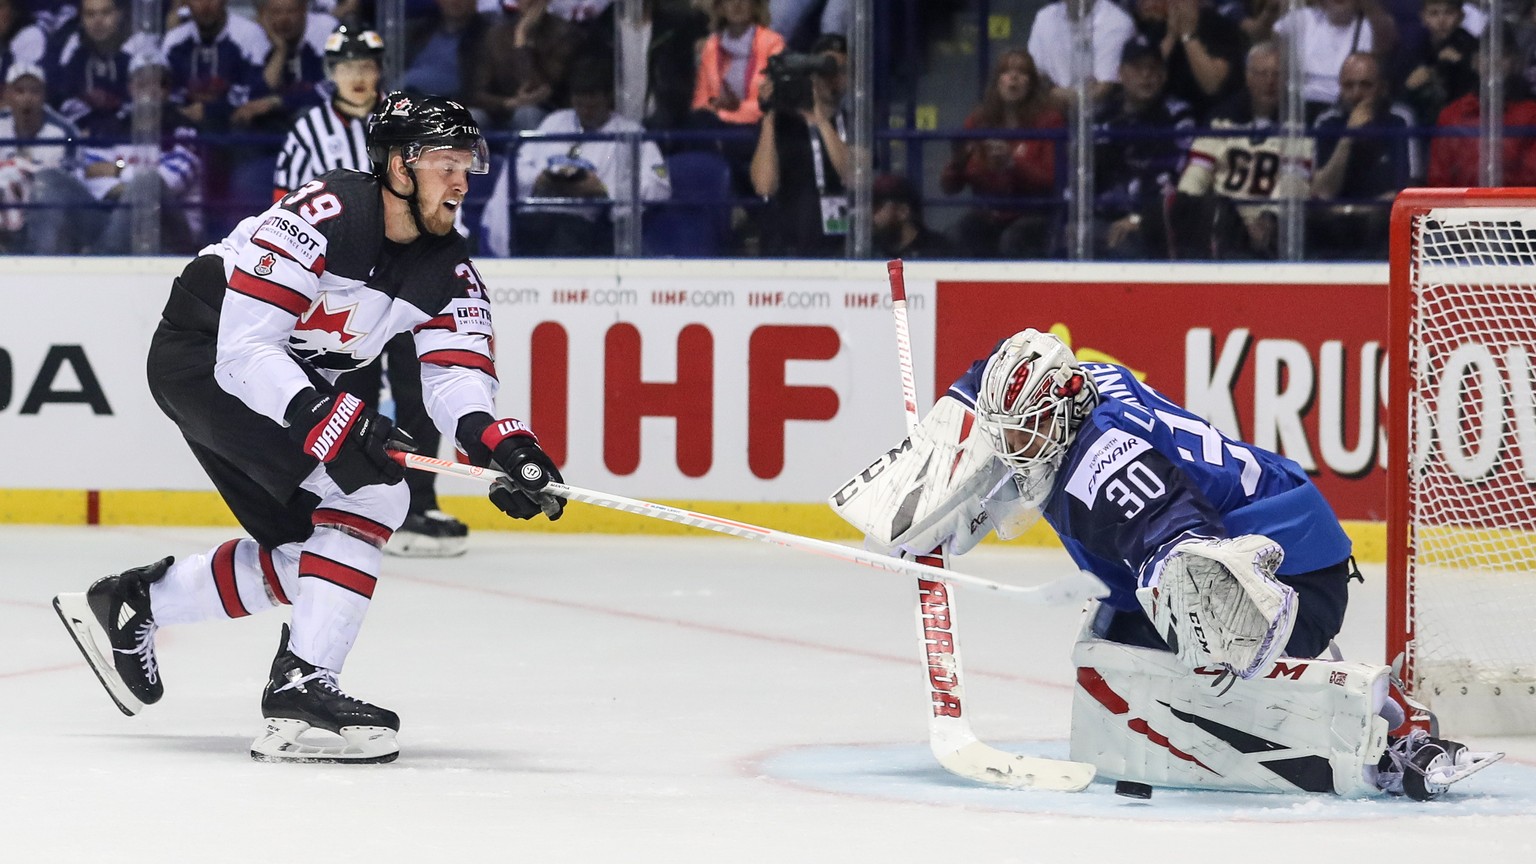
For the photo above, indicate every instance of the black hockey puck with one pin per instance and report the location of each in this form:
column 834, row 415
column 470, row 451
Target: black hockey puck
column 1132, row 789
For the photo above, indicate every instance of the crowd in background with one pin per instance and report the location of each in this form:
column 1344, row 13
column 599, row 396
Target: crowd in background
column 731, row 130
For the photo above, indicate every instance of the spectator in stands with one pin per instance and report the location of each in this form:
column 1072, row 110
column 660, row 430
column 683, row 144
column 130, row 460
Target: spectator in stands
column 442, row 49
column 732, row 61
column 896, row 222
column 53, row 17
column 582, row 169
column 1374, row 164
column 1135, row 168
column 1329, row 32
column 1441, row 61
column 1017, row 100
column 85, row 208
column 27, row 169
column 802, row 164
column 1050, row 45
column 798, row 23
column 214, row 58
column 289, row 79
column 522, row 60
column 1223, row 208
column 88, row 78
column 1453, row 161
column 660, row 59
column 1201, row 50
column 22, row 40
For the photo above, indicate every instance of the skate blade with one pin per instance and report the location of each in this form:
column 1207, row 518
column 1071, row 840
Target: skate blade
column 1456, row 773
column 361, row 745
column 81, row 623
column 411, row 545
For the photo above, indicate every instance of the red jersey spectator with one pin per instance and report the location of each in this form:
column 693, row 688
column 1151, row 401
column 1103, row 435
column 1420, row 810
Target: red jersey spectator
column 1017, row 99
column 1453, row 160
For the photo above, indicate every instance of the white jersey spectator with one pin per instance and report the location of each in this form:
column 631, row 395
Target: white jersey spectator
column 1050, row 41
column 1329, row 33
column 565, row 168
column 31, row 126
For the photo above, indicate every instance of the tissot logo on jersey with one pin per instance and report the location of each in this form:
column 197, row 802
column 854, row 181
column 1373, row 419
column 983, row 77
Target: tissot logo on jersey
column 290, row 238
column 472, row 316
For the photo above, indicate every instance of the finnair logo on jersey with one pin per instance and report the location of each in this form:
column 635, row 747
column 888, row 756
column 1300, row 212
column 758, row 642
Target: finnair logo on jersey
column 1113, row 451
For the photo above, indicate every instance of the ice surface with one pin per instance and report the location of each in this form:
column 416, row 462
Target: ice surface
column 632, row 699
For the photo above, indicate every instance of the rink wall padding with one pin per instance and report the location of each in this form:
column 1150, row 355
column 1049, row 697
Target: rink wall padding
column 745, row 389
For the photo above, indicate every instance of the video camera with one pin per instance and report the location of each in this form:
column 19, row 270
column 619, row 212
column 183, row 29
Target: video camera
column 791, row 73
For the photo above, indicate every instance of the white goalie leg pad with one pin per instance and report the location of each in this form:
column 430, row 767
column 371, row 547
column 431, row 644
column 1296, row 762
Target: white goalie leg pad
column 1307, row 726
column 1217, row 603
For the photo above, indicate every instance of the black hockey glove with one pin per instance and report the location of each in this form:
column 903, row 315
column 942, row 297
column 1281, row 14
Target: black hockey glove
column 351, row 439
column 529, row 469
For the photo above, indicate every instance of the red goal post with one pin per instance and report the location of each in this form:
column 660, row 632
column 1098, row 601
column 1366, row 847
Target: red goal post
column 1461, row 479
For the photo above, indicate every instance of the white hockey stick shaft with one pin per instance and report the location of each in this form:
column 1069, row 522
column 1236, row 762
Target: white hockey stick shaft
column 893, row 268
column 736, row 529
column 950, row 737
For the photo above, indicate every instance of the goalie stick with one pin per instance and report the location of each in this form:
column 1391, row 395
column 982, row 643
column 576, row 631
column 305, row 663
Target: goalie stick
column 1047, row 594
column 950, row 737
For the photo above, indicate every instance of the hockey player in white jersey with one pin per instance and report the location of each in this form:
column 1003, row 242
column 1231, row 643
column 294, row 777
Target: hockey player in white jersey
column 255, row 332
column 332, row 136
column 1226, row 574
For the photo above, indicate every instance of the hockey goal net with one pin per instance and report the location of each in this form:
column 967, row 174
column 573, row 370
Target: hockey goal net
column 1461, row 523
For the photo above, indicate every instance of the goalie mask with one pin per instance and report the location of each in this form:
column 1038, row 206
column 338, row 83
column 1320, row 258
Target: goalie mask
column 1032, row 399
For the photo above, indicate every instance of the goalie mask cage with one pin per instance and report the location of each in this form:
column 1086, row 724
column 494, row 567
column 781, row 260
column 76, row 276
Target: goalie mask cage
column 1461, row 483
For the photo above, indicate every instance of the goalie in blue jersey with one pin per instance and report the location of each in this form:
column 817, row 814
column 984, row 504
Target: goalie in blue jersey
column 1226, row 573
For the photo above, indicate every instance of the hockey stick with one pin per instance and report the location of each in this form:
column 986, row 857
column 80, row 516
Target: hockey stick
column 1047, row 594
column 950, row 736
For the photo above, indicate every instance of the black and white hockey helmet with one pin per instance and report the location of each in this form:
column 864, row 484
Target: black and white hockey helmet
column 1033, row 387
column 352, row 42
column 418, row 124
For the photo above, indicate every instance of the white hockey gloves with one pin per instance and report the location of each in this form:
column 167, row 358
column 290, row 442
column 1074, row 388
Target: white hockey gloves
column 1217, row 603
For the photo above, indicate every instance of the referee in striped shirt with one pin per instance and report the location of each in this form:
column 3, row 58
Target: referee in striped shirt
column 325, row 138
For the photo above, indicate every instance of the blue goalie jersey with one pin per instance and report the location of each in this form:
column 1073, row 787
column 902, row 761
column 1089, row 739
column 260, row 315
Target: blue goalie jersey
column 1143, row 474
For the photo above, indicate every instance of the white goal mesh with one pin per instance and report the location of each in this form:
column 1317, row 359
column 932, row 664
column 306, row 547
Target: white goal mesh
column 1471, row 509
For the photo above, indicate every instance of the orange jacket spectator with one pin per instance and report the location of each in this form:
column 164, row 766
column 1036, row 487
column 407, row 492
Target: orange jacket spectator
column 712, row 66
column 1453, row 161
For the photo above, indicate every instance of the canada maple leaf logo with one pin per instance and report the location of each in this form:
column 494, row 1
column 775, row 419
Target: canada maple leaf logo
column 265, row 263
column 322, row 329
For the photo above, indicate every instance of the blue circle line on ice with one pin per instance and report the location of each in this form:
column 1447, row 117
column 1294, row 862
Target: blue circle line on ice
column 909, row 773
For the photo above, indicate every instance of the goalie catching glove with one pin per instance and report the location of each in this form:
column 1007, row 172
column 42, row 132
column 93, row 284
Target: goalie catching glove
column 350, row 439
column 1217, row 603
column 513, row 448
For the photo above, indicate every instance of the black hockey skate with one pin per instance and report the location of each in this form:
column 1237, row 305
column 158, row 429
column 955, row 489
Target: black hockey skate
column 300, row 697
column 429, row 534
column 113, row 626
column 1423, row 767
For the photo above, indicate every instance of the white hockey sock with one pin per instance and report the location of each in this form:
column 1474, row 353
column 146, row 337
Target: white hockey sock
column 337, row 573
column 235, row 579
